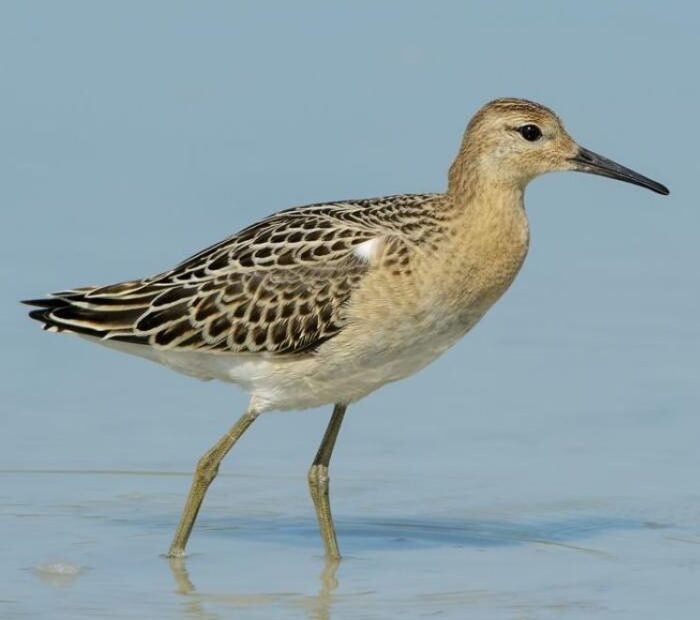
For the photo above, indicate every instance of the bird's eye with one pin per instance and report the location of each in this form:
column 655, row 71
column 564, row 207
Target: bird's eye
column 530, row 132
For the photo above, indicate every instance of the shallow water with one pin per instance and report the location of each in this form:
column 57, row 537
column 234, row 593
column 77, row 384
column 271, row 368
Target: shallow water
column 98, row 556
column 83, row 543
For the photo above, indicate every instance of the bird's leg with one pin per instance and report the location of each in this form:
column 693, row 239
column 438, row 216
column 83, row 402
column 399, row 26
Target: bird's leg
column 207, row 468
column 318, row 482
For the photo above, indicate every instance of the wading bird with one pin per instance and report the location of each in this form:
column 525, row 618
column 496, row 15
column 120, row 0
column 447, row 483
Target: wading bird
column 325, row 303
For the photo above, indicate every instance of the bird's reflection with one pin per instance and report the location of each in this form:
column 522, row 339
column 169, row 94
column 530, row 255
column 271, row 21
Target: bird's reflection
column 317, row 607
column 183, row 582
column 378, row 535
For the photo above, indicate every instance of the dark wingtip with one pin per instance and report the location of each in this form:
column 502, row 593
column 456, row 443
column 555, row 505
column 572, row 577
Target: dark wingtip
column 43, row 312
column 45, row 302
column 37, row 315
column 43, row 316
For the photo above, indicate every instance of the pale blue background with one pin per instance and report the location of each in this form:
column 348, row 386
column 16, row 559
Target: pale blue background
column 134, row 133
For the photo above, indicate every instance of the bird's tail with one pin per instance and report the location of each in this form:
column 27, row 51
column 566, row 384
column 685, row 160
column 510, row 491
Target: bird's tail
column 100, row 312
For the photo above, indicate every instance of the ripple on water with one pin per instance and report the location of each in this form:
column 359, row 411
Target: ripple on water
column 58, row 573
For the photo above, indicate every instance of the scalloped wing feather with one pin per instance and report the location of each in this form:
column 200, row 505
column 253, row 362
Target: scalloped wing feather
column 278, row 286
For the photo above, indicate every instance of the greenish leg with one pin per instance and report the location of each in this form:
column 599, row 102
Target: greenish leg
column 318, row 482
column 207, row 468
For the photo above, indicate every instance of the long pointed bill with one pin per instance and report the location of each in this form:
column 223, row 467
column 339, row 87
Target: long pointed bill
column 588, row 161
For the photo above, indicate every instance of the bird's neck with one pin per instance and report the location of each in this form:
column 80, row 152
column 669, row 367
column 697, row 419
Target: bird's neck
column 490, row 222
column 485, row 203
column 489, row 238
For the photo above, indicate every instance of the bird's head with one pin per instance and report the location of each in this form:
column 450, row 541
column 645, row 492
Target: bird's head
column 514, row 140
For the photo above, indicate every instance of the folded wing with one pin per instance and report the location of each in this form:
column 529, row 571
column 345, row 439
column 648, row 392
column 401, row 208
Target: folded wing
column 279, row 286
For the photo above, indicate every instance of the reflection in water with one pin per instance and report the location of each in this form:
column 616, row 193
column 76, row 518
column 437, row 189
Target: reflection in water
column 192, row 607
column 397, row 534
column 182, row 577
column 318, row 607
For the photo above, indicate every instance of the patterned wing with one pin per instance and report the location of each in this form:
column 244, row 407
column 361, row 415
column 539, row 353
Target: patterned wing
column 263, row 310
column 279, row 286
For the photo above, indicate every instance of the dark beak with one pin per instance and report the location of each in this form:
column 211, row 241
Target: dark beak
column 588, row 161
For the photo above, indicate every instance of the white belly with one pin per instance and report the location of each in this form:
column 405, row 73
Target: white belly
column 347, row 368
column 344, row 369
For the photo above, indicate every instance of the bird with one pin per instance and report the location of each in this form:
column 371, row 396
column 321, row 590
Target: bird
column 323, row 304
